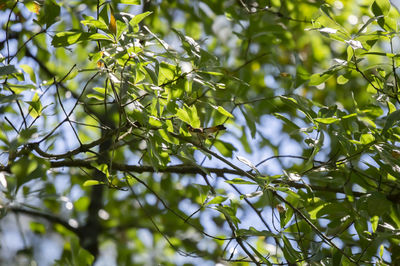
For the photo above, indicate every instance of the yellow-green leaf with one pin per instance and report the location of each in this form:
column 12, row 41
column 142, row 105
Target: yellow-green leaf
column 367, row 138
column 89, row 183
column 328, row 120
column 224, row 112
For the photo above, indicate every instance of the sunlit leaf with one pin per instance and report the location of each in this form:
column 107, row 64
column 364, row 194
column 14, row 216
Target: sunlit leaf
column 130, row 2
column 89, row 183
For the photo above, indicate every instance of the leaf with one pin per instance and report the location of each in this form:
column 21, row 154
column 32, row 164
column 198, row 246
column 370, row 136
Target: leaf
column 290, row 253
column 367, row 23
column 391, row 119
column 342, row 80
column 259, row 255
column 222, row 111
column 49, row 13
column 381, row 7
column 79, row 255
column 391, row 107
column 7, row 70
column 189, row 115
column 33, row 7
column 289, row 122
column 134, row 22
column 130, row 2
column 225, row 148
column 317, row 147
column 113, row 23
column 374, row 222
column 36, row 106
column 240, row 181
column 250, row 121
column 366, row 138
column 254, row 232
column 37, row 228
column 18, row 88
column 29, row 168
column 29, row 70
column 66, row 38
column 217, row 200
column 99, row 24
column 390, row 55
column 89, row 183
column 166, row 73
column 168, row 137
column 328, row 120
column 211, row 73
column 378, row 204
column 317, row 79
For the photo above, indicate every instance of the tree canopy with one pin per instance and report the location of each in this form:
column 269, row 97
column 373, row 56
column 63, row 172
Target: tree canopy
column 199, row 132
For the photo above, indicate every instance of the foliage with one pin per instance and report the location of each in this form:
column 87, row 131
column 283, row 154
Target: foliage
column 96, row 100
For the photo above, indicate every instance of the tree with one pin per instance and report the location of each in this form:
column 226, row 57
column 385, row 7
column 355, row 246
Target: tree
column 104, row 158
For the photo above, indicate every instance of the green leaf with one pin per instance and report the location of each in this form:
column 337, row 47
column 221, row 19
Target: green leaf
column 29, row 70
column 7, row 70
column 289, row 122
column 240, row 181
column 168, row 137
column 360, row 31
column 134, row 22
column 29, row 168
column 80, row 256
column 66, row 38
column 37, row 228
column 260, row 256
column 374, row 222
column 89, row 183
column 222, row 111
column 328, row 120
column 95, row 96
column 49, row 13
column 250, row 121
column 366, row 138
column 18, row 88
column 189, row 115
column 317, row 146
column 342, row 80
column 130, row 2
column 217, row 200
column 254, row 232
column 36, row 106
column 317, row 79
column 391, row 107
column 225, row 148
column 378, row 204
column 166, row 73
column 290, row 253
column 102, row 168
column 381, row 7
column 82, row 203
column 99, row 36
column 391, row 119
column 98, row 24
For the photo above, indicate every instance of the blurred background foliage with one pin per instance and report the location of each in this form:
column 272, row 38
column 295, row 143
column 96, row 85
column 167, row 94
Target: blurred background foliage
column 98, row 164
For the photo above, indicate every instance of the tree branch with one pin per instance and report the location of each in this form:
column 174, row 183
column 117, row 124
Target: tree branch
column 49, row 217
